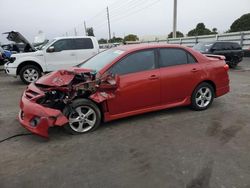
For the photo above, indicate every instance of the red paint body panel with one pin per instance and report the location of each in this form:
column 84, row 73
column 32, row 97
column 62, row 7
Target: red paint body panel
column 137, row 93
column 48, row 117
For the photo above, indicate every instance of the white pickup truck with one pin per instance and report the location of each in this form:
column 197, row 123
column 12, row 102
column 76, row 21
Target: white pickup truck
column 58, row 54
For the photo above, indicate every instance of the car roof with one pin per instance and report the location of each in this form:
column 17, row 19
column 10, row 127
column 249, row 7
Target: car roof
column 73, row 37
column 136, row 47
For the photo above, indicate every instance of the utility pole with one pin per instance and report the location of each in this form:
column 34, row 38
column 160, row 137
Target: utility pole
column 85, row 28
column 175, row 19
column 75, row 32
column 108, row 23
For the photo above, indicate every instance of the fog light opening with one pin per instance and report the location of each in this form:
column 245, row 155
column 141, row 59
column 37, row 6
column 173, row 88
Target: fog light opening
column 35, row 121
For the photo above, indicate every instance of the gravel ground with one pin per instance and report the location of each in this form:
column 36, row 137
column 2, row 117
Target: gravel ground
column 169, row 148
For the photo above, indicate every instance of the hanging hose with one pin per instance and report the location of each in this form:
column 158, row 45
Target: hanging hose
column 14, row 136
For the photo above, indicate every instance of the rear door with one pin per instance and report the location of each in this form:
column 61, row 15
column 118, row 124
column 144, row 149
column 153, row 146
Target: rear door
column 139, row 86
column 64, row 55
column 222, row 48
column 84, row 49
column 180, row 73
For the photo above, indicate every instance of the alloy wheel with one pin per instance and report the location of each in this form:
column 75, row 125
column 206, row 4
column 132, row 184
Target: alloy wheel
column 82, row 119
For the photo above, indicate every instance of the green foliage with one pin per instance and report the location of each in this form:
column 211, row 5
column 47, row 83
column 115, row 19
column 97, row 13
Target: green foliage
column 102, row 41
column 116, row 40
column 90, row 31
column 214, row 31
column 241, row 24
column 199, row 30
column 178, row 34
column 131, row 37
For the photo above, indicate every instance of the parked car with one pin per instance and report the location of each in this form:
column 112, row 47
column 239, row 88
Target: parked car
column 4, row 56
column 231, row 50
column 14, row 48
column 120, row 82
column 62, row 52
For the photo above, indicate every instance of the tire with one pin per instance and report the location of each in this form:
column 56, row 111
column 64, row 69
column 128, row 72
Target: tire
column 234, row 62
column 79, row 123
column 30, row 73
column 202, row 97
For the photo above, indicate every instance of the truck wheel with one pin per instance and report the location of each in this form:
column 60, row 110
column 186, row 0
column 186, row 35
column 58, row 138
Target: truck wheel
column 202, row 97
column 30, row 73
column 84, row 116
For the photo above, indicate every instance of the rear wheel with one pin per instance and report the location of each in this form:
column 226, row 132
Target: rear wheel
column 202, row 97
column 234, row 62
column 84, row 116
column 30, row 73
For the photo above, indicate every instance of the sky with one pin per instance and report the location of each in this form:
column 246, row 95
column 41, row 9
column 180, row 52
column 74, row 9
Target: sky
column 141, row 17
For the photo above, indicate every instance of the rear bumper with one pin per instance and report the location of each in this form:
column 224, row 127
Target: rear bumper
column 222, row 91
column 45, row 117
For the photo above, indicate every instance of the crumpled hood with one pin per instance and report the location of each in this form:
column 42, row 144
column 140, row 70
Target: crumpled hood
column 61, row 77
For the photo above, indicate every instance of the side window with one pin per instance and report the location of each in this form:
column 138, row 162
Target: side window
column 136, row 62
column 191, row 59
column 218, row 46
column 83, row 43
column 64, row 44
column 171, row 57
column 236, row 46
column 227, row 46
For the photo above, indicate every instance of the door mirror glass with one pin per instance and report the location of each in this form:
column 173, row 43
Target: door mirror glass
column 51, row 49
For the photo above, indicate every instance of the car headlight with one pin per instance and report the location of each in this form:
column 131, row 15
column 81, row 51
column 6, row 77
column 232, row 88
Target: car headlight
column 12, row 59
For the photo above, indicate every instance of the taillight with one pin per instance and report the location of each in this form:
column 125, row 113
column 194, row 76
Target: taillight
column 226, row 67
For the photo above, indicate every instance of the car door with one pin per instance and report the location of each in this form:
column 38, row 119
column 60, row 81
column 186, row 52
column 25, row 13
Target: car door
column 139, row 85
column 179, row 72
column 221, row 48
column 63, row 55
column 84, row 49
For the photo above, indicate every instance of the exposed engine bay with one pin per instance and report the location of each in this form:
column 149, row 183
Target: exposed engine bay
column 62, row 87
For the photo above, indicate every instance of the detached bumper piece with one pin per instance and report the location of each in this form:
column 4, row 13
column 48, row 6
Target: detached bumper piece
column 37, row 118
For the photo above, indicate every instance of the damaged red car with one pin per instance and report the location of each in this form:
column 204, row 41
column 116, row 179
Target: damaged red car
column 121, row 82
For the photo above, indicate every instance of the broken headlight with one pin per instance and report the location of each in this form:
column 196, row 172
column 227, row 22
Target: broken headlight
column 52, row 99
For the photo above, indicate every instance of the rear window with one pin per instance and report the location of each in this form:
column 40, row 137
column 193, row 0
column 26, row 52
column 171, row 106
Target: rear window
column 83, row 43
column 203, row 47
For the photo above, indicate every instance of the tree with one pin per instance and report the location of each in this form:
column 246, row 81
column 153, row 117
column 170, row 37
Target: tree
column 199, row 30
column 102, row 41
column 178, row 34
column 90, row 31
column 214, row 31
column 241, row 24
column 131, row 37
column 116, row 40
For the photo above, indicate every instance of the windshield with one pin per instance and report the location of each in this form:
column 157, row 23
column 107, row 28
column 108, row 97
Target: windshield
column 203, row 47
column 46, row 45
column 101, row 60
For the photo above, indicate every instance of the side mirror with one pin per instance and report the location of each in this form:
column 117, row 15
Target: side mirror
column 110, row 82
column 51, row 49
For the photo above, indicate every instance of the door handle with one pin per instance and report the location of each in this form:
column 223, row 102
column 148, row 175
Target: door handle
column 194, row 70
column 153, row 77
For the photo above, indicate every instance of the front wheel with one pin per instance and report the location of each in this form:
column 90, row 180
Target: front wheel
column 84, row 116
column 202, row 97
column 30, row 73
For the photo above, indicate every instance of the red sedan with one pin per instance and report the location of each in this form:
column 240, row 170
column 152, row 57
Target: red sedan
column 121, row 82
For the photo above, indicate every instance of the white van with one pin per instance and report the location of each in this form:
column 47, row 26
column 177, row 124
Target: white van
column 60, row 53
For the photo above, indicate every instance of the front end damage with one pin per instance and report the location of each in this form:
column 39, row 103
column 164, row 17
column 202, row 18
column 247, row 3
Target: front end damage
column 43, row 103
